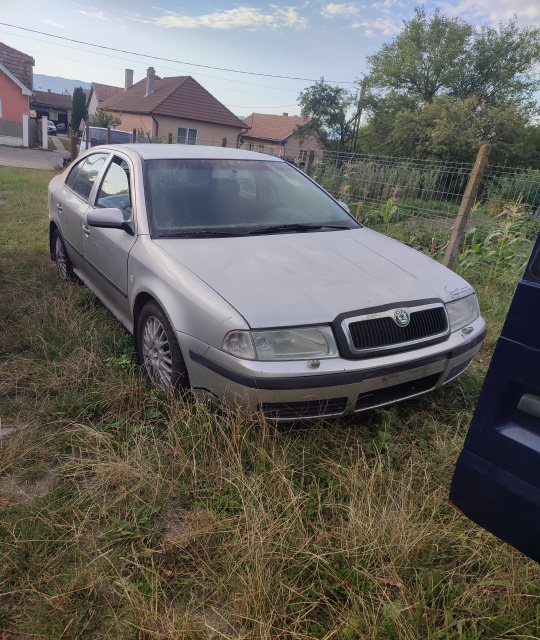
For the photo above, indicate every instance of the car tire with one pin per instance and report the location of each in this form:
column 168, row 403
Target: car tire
column 61, row 257
column 159, row 353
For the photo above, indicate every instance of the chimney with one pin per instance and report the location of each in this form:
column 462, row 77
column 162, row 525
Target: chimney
column 285, row 114
column 129, row 79
column 150, row 80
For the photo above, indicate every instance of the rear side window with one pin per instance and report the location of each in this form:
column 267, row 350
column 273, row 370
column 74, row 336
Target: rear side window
column 82, row 181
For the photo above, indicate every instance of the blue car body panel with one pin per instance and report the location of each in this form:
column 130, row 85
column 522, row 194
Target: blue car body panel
column 497, row 477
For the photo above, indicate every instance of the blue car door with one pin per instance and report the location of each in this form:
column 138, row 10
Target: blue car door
column 497, row 477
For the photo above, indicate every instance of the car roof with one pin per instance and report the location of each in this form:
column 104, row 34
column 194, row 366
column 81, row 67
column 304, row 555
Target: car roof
column 184, row 151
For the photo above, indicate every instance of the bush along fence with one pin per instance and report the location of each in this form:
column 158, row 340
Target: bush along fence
column 479, row 219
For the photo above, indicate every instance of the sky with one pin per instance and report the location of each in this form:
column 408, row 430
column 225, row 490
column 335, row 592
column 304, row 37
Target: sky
column 281, row 47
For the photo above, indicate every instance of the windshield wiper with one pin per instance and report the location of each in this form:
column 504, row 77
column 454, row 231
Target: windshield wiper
column 295, row 228
column 209, row 233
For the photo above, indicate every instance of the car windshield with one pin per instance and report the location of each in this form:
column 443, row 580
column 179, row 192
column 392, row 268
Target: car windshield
column 237, row 197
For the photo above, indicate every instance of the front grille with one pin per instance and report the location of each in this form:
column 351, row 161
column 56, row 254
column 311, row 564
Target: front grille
column 374, row 333
column 306, row 409
column 395, row 393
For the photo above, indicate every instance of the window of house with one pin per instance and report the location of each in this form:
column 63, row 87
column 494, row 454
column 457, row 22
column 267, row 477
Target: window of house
column 271, row 151
column 302, row 155
column 186, row 136
column 250, row 146
column 83, row 175
column 261, row 148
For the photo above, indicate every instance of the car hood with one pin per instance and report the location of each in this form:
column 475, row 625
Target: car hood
column 310, row 278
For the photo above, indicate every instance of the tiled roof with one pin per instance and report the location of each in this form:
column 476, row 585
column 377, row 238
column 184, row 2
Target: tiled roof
column 52, row 99
column 18, row 63
column 271, row 127
column 179, row 97
column 105, row 91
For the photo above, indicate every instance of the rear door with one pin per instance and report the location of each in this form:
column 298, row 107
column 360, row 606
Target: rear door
column 497, row 477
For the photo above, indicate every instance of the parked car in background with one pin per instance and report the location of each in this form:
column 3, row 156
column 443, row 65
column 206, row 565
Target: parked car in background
column 60, row 127
column 496, row 481
column 244, row 280
column 51, row 128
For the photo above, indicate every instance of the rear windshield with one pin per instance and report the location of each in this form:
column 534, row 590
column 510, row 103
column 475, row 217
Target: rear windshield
column 236, row 197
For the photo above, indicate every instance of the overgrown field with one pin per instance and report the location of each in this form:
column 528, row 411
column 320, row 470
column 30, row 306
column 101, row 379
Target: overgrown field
column 126, row 514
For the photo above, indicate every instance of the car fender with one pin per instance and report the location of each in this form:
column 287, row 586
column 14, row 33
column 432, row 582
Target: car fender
column 191, row 306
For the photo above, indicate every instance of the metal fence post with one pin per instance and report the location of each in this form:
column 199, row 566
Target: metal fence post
column 169, row 139
column 134, row 134
column 467, row 204
column 223, row 142
column 108, row 135
column 310, row 157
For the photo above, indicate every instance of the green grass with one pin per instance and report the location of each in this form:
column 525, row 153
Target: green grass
column 128, row 514
column 67, row 143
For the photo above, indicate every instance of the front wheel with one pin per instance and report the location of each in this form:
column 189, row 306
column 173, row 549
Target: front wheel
column 158, row 350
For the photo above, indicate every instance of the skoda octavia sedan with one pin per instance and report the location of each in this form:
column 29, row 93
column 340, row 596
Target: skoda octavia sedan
column 242, row 279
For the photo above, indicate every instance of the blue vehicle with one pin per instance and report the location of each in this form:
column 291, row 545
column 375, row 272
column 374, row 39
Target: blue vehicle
column 497, row 477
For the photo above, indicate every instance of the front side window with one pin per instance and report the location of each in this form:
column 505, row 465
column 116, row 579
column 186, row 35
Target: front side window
column 114, row 190
column 82, row 177
column 236, row 197
column 186, row 136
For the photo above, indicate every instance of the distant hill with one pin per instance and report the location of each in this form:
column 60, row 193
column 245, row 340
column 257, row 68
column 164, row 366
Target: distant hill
column 57, row 84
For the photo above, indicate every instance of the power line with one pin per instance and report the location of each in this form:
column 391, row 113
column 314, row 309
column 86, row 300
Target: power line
column 143, row 55
column 204, row 75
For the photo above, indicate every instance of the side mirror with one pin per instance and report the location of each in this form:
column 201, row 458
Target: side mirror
column 110, row 218
column 344, row 205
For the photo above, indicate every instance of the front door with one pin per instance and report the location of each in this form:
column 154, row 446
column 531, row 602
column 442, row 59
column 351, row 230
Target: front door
column 497, row 477
column 106, row 250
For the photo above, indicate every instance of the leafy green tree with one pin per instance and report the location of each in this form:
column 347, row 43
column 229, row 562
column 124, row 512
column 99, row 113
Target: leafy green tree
column 78, row 108
column 428, row 56
column 328, row 107
column 106, row 119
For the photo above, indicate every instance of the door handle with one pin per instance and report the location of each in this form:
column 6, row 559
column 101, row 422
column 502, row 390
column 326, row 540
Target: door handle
column 86, row 229
column 530, row 404
column 59, row 206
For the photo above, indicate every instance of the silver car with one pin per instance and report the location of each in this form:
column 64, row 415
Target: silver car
column 243, row 280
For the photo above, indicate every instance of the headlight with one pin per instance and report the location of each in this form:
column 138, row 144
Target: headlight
column 462, row 312
column 306, row 343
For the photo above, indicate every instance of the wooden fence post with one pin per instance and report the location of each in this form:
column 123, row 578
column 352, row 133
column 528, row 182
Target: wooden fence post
column 108, row 135
column 310, row 157
column 169, row 141
column 73, row 148
column 467, row 204
column 134, row 135
column 223, row 142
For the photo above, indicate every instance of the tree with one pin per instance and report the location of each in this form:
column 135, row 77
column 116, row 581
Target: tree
column 106, row 119
column 443, row 88
column 428, row 56
column 78, row 108
column 328, row 107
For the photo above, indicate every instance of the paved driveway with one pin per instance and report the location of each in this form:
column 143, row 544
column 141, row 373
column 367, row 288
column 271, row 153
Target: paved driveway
column 31, row 158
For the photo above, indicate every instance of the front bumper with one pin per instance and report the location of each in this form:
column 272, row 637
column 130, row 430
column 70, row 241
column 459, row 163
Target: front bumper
column 291, row 390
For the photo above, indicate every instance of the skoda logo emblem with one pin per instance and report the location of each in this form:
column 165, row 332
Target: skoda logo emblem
column 401, row 317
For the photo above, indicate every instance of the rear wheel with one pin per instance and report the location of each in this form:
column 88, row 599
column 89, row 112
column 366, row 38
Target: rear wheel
column 158, row 350
column 63, row 263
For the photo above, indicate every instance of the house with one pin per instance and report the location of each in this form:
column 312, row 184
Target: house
column 53, row 106
column 16, row 80
column 275, row 135
column 178, row 107
column 99, row 93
